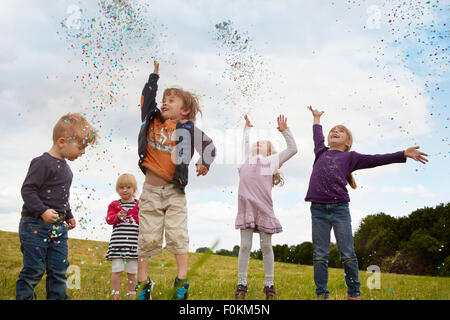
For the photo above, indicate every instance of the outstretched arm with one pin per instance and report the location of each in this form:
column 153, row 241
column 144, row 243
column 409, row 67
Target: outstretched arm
column 365, row 161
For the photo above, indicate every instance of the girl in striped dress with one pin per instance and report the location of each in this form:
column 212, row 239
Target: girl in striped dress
column 123, row 214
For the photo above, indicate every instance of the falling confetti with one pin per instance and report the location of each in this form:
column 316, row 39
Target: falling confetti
column 245, row 67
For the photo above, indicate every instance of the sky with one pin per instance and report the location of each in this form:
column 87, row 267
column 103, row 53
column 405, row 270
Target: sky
column 380, row 68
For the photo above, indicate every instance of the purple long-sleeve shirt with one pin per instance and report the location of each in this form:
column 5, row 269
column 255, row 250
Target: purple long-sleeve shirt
column 332, row 167
column 47, row 186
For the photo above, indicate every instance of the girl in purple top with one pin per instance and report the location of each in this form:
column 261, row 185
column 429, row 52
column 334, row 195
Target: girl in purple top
column 258, row 174
column 327, row 192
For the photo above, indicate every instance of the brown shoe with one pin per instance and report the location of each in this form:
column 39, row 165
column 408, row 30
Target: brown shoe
column 270, row 293
column 241, row 292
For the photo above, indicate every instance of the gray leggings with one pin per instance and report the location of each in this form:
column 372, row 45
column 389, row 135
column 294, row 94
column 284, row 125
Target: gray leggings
column 244, row 255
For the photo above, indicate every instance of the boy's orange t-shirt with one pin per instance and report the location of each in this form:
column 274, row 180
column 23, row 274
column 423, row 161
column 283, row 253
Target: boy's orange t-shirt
column 161, row 143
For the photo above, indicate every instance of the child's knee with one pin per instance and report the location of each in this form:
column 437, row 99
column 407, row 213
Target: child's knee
column 33, row 273
column 266, row 243
column 245, row 249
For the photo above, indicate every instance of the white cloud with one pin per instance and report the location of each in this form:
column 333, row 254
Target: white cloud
column 10, row 221
column 418, row 190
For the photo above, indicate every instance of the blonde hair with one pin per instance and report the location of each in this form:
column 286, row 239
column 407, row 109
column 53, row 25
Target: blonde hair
column 190, row 101
column 350, row 179
column 74, row 126
column 126, row 179
column 277, row 178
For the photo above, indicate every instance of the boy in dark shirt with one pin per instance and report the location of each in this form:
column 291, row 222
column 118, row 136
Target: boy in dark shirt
column 46, row 214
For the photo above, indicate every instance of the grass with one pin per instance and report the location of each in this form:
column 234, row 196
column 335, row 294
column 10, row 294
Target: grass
column 212, row 277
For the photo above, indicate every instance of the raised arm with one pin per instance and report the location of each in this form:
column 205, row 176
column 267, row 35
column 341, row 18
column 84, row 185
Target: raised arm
column 246, row 138
column 148, row 96
column 277, row 160
column 319, row 139
column 316, row 114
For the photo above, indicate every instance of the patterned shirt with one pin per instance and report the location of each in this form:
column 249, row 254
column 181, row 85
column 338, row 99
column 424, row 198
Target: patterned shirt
column 124, row 237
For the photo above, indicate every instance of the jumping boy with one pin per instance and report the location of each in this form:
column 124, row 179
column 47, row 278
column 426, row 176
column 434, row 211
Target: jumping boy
column 167, row 140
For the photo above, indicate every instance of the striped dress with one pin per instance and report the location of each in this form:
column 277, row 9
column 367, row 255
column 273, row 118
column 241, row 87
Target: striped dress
column 124, row 237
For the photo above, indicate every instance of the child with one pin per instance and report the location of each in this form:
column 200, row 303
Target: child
column 327, row 192
column 45, row 193
column 167, row 140
column 123, row 214
column 258, row 175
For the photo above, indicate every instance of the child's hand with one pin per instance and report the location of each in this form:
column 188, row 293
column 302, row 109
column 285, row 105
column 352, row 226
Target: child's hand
column 121, row 215
column 247, row 122
column 50, row 216
column 413, row 153
column 316, row 113
column 156, row 67
column 71, row 223
column 201, row 170
column 282, row 123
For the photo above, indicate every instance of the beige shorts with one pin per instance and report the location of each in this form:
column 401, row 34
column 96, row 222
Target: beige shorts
column 162, row 209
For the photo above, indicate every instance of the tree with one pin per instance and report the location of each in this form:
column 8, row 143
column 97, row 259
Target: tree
column 334, row 259
column 416, row 244
column 304, row 253
column 224, row 252
column 203, row 250
column 376, row 239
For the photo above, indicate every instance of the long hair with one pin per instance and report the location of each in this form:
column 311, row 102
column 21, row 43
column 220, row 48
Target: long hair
column 350, row 179
column 277, row 178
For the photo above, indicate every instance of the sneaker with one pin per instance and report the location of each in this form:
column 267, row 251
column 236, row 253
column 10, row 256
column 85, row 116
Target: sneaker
column 322, row 296
column 354, row 298
column 181, row 289
column 270, row 293
column 241, row 292
column 144, row 293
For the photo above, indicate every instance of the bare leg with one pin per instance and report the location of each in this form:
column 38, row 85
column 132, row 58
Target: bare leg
column 115, row 282
column 182, row 265
column 142, row 268
column 131, row 285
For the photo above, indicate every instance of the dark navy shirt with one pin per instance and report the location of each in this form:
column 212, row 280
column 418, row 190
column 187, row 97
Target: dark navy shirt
column 47, row 186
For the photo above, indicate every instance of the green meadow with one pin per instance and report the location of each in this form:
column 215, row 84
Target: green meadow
column 212, row 277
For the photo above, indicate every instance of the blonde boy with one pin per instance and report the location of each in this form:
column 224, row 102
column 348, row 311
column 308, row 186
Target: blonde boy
column 46, row 208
